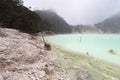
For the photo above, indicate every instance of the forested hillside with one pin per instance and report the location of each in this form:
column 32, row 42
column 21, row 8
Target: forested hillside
column 14, row 15
column 53, row 22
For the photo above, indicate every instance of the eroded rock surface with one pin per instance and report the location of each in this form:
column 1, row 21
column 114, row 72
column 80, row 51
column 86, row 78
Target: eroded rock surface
column 24, row 58
column 84, row 75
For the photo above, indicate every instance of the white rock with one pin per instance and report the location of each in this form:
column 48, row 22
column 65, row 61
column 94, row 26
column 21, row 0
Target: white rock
column 2, row 47
column 1, row 77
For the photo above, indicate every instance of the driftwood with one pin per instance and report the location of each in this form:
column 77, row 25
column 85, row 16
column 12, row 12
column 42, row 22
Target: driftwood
column 47, row 46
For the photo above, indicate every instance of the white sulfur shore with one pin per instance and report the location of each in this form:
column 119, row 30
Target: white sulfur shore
column 23, row 57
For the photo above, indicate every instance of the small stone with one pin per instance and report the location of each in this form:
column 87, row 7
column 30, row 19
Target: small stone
column 2, row 48
column 41, row 74
column 1, row 77
column 48, row 69
column 84, row 75
column 44, row 78
column 112, row 52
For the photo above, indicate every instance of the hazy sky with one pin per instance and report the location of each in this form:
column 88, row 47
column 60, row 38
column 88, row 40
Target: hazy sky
column 78, row 11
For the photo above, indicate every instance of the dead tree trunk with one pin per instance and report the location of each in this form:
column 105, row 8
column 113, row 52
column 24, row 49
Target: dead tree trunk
column 47, row 46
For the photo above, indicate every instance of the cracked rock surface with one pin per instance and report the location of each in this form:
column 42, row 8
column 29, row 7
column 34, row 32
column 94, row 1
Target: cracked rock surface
column 24, row 58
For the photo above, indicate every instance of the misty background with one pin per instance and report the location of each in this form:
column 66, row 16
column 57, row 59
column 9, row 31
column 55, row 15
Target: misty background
column 78, row 11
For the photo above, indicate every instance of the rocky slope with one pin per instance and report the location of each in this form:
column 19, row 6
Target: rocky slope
column 110, row 25
column 23, row 57
column 54, row 22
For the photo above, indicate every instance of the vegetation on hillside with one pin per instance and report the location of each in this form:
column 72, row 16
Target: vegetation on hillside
column 53, row 22
column 14, row 15
column 85, row 29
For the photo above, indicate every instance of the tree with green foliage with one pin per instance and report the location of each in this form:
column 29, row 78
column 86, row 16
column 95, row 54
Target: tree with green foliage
column 14, row 15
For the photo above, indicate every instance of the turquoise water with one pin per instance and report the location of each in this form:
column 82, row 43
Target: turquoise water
column 97, row 46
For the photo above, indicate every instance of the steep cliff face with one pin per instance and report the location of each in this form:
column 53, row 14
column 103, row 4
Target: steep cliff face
column 24, row 58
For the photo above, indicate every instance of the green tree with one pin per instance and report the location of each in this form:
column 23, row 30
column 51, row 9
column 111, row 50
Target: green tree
column 14, row 15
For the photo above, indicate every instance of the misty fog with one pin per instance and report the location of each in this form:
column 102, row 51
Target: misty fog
column 78, row 11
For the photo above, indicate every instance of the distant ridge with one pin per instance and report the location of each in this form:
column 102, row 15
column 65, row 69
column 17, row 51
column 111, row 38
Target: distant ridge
column 55, row 22
column 110, row 25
